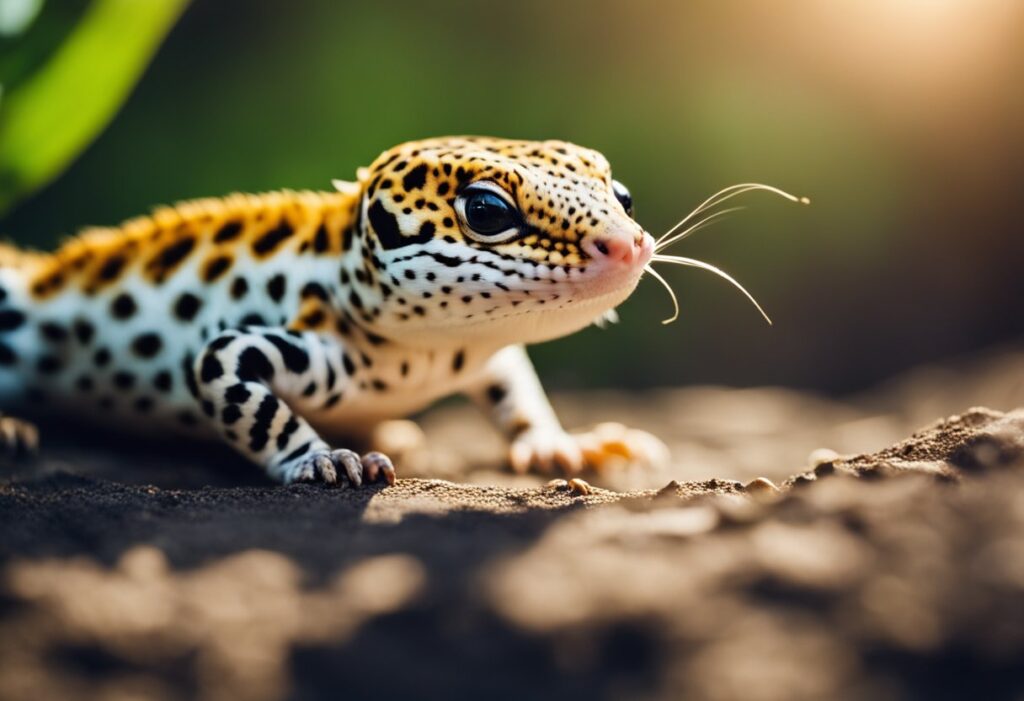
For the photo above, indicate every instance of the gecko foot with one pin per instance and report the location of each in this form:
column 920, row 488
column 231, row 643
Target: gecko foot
column 326, row 466
column 606, row 446
column 611, row 444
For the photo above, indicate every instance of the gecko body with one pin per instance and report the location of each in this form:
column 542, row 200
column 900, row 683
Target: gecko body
column 279, row 321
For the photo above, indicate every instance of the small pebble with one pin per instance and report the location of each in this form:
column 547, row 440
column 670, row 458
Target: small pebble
column 669, row 490
column 580, row 487
column 762, row 489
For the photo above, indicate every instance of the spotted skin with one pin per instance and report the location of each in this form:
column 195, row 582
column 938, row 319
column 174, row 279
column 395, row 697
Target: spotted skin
column 281, row 321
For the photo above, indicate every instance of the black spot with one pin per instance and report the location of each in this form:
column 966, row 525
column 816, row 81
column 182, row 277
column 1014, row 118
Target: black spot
column 259, row 434
column 410, row 274
column 210, row 369
column 496, row 393
column 123, row 306
column 228, row 232
column 163, row 381
column 320, row 240
column 11, row 319
column 380, row 385
column 53, row 331
column 276, row 287
column 314, row 318
column 208, row 408
column 272, row 238
column 252, row 319
column 295, row 359
column 298, row 452
column 111, row 268
column 230, row 414
column 239, row 288
column 253, row 366
column 459, row 360
column 427, row 230
column 237, row 394
column 187, row 418
column 313, row 289
column 124, row 380
column 187, row 364
column 216, row 267
column 175, row 253
column 332, row 400
column 386, row 226
column 143, row 404
column 450, row 261
column 7, row 355
column 310, row 390
column 187, row 306
column 84, row 331
column 48, row 364
column 332, row 376
column 222, row 342
column 101, row 357
column 350, row 367
column 147, row 345
column 415, row 178
column 290, row 427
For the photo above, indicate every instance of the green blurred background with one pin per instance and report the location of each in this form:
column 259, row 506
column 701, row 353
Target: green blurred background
column 902, row 120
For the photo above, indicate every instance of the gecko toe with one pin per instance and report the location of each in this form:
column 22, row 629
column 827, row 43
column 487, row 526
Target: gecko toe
column 349, row 462
column 377, row 465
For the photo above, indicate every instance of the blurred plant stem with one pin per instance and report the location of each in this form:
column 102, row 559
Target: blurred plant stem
column 49, row 118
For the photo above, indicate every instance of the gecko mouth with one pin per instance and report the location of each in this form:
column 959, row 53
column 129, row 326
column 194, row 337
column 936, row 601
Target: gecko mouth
column 684, row 228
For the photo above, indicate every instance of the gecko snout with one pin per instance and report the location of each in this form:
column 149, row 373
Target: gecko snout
column 624, row 250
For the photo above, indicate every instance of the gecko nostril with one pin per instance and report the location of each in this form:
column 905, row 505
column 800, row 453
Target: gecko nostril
column 601, row 246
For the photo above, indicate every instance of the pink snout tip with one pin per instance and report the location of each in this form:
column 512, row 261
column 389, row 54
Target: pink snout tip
column 622, row 250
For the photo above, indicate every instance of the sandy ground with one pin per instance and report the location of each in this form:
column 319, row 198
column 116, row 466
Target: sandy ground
column 885, row 567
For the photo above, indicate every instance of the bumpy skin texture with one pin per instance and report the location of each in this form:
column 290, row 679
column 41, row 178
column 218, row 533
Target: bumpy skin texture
column 277, row 320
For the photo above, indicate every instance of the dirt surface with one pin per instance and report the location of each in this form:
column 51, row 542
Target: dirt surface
column 881, row 567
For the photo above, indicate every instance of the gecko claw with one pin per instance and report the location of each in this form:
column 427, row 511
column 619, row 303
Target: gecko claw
column 378, row 465
column 325, row 466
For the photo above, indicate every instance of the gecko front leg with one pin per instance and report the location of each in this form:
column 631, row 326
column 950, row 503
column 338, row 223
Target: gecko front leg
column 251, row 383
column 510, row 390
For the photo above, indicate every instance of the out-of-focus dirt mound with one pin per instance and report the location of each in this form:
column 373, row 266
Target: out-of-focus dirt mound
column 894, row 573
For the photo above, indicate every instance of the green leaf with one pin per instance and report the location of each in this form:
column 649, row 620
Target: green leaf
column 49, row 118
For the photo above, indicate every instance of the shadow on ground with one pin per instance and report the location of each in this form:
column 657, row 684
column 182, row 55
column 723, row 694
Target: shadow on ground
column 887, row 568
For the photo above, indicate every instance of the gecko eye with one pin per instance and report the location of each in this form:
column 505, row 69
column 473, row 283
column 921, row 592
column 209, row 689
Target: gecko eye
column 623, row 196
column 487, row 214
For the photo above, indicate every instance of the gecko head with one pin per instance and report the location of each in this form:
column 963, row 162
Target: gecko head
column 512, row 241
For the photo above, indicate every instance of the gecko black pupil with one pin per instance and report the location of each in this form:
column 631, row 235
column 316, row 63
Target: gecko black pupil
column 488, row 214
column 623, row 196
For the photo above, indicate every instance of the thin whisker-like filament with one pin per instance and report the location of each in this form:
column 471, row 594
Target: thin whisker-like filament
column 664, row 283
column 728, row 193
column 706, row 221
column 694, row 263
